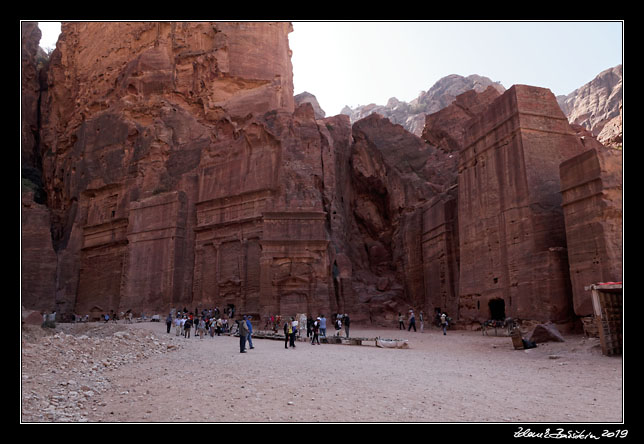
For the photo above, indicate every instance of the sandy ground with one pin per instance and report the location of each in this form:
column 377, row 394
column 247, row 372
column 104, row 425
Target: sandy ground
column 138, row 373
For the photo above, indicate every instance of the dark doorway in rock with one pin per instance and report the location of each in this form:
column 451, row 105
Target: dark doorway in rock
column 497, row 309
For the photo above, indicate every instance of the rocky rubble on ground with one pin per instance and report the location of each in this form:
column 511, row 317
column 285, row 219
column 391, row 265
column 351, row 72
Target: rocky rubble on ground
column 65, row 370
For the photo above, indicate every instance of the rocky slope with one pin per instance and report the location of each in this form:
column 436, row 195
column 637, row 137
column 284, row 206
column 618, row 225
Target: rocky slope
column 412, row 115
column 78, row 360
column 597, row 106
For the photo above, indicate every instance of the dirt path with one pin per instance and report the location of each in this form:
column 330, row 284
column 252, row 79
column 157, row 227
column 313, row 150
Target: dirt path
column 461, row 377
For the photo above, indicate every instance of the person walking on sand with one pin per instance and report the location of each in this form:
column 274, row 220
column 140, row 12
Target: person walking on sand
column 294, row 324
column 444, row 323
column 250, row 332
column 412, row 320
column 213, row 327
column 309, row 326
column 220, row 326
column 243, row 335
column 347, row 322
column 323, row 326
column 288, row 330
column 401, row 321
column 202, row 327
column 168, row 322
column 315, row 330
column 177, row 325
column 187, row 326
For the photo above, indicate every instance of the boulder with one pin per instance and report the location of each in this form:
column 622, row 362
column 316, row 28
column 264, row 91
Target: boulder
column 31, row 317
column 546, row 332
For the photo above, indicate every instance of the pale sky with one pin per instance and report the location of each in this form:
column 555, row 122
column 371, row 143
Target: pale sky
column 50, row 31
column 349, row 63
column 357, row 63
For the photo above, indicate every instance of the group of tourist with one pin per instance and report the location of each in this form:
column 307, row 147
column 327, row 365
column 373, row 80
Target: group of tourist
column 314, row 328
column 412, row 321
column 113, row 316
column 203, row 325
column 211, row 322
column 441, row 319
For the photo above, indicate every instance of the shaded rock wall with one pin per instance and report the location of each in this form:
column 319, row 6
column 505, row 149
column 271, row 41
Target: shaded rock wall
column 37, row 256
column 591, row 185
column 30, row 97
column 441, row 254
column 511, row 227
column 440, row 241
column 394, row 174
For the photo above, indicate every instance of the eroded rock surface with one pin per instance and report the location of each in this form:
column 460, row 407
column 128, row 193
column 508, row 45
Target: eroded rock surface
column 179, row 171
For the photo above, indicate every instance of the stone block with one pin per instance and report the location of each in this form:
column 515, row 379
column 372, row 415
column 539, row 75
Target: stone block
column 591, row 186
column 511, row 229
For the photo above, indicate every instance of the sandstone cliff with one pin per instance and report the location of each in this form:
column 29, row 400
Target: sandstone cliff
column 511, row 226
column 30, row 95
column 597, row 106
column 178, row 170
column 591, row 187
column 139, row 121
column 38, row 259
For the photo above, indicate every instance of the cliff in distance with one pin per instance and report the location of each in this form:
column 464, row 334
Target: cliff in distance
column 177, row 169
column 597, row 106
column 412, row 115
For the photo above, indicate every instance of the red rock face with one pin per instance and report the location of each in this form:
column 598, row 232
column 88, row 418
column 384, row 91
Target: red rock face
column 30, row 91
column 394, row 173
column 148, row 131
column 446, row 128
column 37, row 256
column 591, row 185
column 511, row 228
column 38, row 259
column 261, row 242
column 596, row 103
column 179, row 173
column 440, row 242
column 441, row 255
